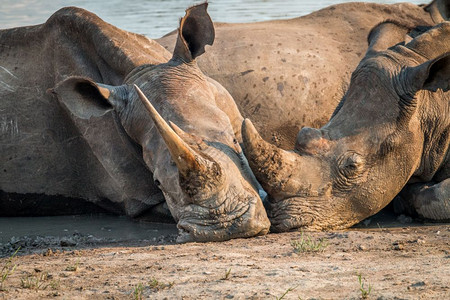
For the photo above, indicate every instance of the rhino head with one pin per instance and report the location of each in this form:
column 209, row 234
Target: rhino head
column 188, row 129
column 391, row 127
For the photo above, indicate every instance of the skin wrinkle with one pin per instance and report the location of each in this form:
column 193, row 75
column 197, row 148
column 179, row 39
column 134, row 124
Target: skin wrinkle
column 388, row 145
column 315, row 213
column 220, row 214
column 436, row 134
column 189, row 220
column 427, row 130
column 8, row 72
column 6, row 86
column 206, row 202
column 343, row 182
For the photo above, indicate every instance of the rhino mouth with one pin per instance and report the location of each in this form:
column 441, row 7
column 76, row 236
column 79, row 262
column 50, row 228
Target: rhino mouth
column 184, row 235
column 294, row 212
column 248, row 219
column 190, row 233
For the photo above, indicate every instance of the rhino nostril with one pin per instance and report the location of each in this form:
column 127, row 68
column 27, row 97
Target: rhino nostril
column 183, row 231
column 184, row 235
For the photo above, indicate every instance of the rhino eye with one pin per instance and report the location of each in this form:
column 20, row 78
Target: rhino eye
column 351, row 164
column 157, row 183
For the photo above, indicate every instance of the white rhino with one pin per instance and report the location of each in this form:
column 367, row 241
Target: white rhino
column 96, row 140
column 390, row 132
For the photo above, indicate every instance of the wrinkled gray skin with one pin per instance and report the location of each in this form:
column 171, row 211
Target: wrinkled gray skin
column 198, row 165
column 391, row 129
column 286, row 74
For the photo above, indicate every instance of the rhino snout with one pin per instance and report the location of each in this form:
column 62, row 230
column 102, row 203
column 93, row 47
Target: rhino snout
column 254, row 222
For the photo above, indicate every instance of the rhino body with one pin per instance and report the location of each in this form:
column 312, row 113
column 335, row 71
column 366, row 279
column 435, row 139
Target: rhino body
column 390, row 132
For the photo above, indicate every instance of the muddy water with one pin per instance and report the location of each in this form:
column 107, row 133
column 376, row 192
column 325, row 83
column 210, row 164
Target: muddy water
column 153, row 18
column 37, row 234
column 105, row 226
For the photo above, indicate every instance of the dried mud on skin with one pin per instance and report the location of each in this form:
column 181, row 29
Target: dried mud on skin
column 397, row 263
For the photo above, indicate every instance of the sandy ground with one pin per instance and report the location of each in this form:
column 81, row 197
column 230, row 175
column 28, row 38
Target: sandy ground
column 409, row 262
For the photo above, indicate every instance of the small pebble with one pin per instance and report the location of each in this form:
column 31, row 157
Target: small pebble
column 398, row 246
column 48, row 252
column 418, row 284
column 67, row 243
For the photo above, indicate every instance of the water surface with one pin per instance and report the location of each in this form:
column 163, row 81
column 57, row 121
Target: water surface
column 155, row 18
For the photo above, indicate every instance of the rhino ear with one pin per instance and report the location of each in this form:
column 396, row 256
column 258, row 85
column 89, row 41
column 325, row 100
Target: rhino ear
column 439, row 74
column 431, row 75
column 195, row 32
column 385, row 35
column 439, row 10
column 85, row 98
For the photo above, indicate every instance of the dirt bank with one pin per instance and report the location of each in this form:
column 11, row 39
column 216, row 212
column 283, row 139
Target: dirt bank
column 411, row 262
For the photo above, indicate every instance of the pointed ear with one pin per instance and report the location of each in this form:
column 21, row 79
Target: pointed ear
column 385, row 35
column 121, row 173
column 85, row 98
column 195, row 32
column 439, row 10
column 431, row 75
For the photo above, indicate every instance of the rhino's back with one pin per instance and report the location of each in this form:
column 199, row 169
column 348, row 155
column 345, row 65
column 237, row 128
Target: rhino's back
column 287, row 74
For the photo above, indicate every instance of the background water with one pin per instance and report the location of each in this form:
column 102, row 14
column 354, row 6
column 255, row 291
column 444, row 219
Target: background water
column 155, row 18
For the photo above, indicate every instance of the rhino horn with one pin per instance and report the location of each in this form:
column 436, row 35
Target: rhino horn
column 263, row 157
column 186, row 159
column 281, row 173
